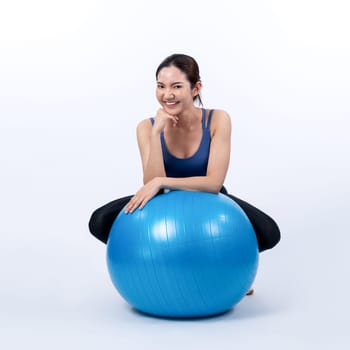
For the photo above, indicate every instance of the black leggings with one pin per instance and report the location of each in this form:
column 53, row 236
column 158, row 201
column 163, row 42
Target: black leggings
column 266, row 230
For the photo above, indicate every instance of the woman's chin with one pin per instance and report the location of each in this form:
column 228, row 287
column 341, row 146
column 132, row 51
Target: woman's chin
column 172, row 109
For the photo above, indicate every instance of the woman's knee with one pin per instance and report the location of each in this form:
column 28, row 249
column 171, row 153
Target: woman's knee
column 94, row 222
column 266, row 230
column 95, row 225
column 271, row 235
column 102, row 218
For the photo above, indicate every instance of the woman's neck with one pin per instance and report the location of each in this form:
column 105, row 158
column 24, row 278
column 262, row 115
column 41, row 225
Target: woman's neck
column 189, row 118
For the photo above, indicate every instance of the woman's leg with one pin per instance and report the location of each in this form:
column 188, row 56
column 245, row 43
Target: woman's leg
column 102, row 219
column 266, row 229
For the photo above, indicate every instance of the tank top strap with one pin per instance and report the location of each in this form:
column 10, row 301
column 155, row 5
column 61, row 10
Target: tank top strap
column 207, row 125
column 203, row 118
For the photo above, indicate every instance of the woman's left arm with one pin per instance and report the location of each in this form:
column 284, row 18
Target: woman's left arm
column 219, row 158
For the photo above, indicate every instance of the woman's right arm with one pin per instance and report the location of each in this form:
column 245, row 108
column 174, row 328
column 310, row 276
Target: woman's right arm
column 148, row 139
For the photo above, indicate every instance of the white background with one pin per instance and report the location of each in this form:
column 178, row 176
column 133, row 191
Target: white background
column 76, row 77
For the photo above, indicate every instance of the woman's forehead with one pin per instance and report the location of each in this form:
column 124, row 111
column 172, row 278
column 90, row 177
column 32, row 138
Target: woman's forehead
column 171, row 74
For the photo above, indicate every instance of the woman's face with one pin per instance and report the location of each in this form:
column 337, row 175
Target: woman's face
column 174, row 91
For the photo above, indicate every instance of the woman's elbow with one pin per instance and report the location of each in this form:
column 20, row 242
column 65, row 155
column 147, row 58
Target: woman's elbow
column 215, row 182
column 217, row 189
column 217, row 186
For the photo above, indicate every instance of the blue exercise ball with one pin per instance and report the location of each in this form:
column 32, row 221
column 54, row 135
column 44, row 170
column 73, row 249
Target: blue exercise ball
column 185, row 254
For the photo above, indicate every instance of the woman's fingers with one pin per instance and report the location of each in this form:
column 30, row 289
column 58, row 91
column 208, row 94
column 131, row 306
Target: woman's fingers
column 144, row 202
column 140, row 199
column 175, row 120
column 136, row 202
column 132, row 205
column 162, row 117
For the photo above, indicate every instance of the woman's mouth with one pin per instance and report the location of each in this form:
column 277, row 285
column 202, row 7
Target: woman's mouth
column 171, row 103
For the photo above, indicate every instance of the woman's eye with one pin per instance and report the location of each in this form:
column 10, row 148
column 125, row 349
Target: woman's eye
column 177, row 86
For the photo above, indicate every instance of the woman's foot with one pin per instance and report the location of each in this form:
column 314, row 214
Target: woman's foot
column 250, row 292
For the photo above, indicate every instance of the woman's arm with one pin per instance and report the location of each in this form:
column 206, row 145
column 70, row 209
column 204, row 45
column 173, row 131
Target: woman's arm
column 148, row 139
column 218, row 163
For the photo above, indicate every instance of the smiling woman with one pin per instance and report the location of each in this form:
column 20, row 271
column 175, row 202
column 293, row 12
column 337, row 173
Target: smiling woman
column 183, row 147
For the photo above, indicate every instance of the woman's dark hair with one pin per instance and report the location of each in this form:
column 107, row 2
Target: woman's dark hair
column 187, row 65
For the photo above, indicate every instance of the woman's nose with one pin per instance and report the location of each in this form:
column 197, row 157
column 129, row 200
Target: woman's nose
column 169, row 95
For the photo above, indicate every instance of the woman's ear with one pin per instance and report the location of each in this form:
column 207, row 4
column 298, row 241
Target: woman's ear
column 197, row 89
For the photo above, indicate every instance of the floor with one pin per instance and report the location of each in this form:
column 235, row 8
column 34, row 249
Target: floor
column 56, row 292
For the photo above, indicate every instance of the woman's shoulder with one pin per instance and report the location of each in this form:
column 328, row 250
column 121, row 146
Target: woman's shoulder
column 220, row 112
column 143, row 130
column 220, row 123
column 220, row 117
column 145, row 124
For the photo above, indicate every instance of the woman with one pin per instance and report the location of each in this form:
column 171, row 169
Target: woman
column 183, row 147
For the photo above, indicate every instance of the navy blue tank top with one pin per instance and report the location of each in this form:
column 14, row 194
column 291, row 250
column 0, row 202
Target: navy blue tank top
column 197, row 164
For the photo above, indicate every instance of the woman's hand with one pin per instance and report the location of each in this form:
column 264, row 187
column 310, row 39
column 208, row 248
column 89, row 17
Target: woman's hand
column 143, row 195
column 162, row 118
